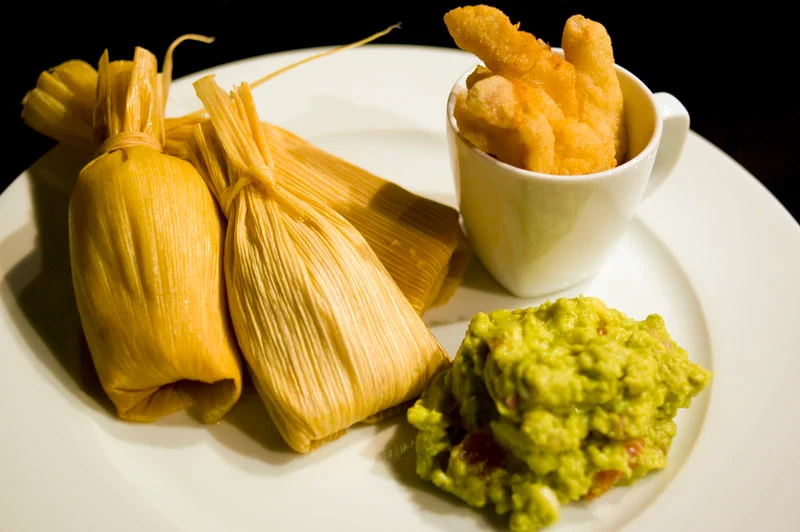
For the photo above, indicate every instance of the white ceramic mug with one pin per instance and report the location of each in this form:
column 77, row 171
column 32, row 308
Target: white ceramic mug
column 538, row 233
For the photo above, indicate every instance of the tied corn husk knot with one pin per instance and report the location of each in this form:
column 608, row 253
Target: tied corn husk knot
column 128, row 139
column 260, row 175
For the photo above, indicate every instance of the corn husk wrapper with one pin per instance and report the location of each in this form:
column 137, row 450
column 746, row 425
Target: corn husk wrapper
column 418, row 240
column 145, row 250
column 328, row 336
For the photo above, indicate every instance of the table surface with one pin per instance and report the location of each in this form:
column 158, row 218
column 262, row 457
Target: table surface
column 729, row 67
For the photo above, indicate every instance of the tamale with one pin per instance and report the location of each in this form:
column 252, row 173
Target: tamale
column 418, row 240
column 146, row 257
column 327, row 335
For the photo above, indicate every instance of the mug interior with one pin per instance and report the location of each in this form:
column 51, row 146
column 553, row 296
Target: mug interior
column 639, row 113
column 640, row 119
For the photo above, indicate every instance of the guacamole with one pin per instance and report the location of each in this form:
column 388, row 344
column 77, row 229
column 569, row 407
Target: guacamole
column 553, row 404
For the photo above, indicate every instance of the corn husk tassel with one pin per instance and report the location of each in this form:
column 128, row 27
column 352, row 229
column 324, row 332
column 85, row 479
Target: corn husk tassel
column 327, row 335
column 146, row 257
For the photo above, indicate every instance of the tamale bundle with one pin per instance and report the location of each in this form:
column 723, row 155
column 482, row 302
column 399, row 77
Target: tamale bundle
column 146, row 257
column 418, row 240
column 327, row 335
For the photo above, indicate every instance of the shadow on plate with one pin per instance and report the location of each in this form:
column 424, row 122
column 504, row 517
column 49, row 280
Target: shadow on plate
column 249, row 431
column 479, row 292
column 40, row 284
column 400, row 458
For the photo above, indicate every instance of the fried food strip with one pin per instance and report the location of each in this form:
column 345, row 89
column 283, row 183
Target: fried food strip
column 495, row 116
column 505, row 50
column 587, row 46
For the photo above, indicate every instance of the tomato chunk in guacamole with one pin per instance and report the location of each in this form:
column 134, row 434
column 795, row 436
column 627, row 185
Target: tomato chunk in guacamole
column 553, row 404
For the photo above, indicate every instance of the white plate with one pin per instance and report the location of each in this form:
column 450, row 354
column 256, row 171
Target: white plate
column 711, row 251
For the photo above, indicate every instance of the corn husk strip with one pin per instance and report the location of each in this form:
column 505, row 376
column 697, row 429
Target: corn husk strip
column 326, row 53
column 329, row 338
column 179, row 130
column 166, row 76
column 146, row 257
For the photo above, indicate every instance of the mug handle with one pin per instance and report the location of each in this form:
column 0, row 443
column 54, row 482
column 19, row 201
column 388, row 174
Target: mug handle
column 675, row 119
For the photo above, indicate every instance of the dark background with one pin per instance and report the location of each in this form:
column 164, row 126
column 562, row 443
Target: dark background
column 732, row 66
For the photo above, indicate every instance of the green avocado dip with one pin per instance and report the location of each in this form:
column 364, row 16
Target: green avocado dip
column 553, row 404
